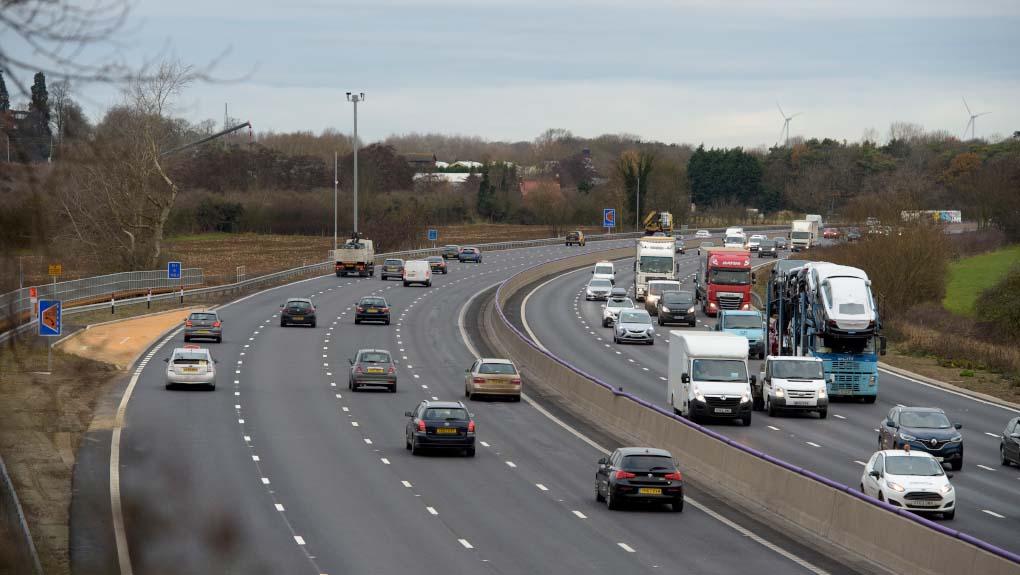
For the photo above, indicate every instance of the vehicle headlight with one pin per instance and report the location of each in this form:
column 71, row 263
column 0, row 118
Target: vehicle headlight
column 745, row 397
column 821, row 393
column 895, row 486
column 907, row 437
column 872, row 380
column 698, row 396
column 957, row 439
column 946, row 489
column 650, row 331
column 690, row 309
column 780, row 392
column 665, row 309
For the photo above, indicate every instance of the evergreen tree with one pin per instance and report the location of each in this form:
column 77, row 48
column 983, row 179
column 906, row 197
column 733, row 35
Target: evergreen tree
column 485, row 194
column 40, row 104
column 5, row 98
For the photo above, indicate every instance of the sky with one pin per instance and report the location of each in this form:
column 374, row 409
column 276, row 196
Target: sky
column 684, row 71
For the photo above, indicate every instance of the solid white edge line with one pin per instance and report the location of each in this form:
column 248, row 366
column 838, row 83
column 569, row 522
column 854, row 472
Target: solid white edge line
column 738, row 528
column 957, row 393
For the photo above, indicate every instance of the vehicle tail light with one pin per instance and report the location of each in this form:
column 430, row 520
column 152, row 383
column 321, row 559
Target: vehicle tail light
column 384, row 309
column 187, row 323
column 478, row 380
column 216, row 324
column 471, row 426
column 360, row 308
column 675, row 476
column 392, row 370
column 421, row 425
column 625, row 475
column 358, row 369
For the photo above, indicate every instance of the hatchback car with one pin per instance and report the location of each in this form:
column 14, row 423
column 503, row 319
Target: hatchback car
column 639, row 474
column 677, row 307
column 297, row 311
column 700, row 234
column 575, row 238
column 392, row 268
column 679, row 246
column 1009, row 445
column 437, row 263
column 450, row 252
column 634, row 325
column 203, row 324
column 470, row 254
column 755, row 241
column 190, row 365
column 372, row 367
column 923, row 429
column 655, row 290
column 768, row 249
column 597, row 289
column 440, row 425
column 488, row 376
column 780, row 242
column 909, row 479
column 613, row 306
column 853, row 235
column 372, row 308
column 830, row 233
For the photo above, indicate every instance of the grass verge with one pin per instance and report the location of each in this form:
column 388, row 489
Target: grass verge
column 969, row 277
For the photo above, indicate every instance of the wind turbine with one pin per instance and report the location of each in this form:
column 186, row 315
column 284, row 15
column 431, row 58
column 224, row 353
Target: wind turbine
column 971, row 123
column 786, row 124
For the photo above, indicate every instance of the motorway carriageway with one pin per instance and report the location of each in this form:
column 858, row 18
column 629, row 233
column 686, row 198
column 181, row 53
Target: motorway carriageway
column 838, row 447
column 283, row 470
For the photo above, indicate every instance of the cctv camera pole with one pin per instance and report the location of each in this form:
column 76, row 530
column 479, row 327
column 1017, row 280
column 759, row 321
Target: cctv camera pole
column 336, row 184
column 637, row 203
column 355, row 98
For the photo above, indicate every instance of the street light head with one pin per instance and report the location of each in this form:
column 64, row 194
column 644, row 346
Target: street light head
column 348, row 95
column 362, row 95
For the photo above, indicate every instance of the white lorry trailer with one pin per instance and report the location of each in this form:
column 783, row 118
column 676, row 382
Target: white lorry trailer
column 654, row 261
column 803, row 234
column 708, row 376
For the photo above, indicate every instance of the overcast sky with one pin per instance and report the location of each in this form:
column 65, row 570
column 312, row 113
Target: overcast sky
column 690, row 71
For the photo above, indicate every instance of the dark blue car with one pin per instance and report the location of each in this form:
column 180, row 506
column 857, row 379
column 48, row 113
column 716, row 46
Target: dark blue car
column 923, row 428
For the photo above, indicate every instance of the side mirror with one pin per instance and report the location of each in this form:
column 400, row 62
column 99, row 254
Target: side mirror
column 949, row 476
column 754, row 380
column 281, row 306
column 685, row 378
column 408, row 414
column 603, row 306
column 166, row 360
column 890, row 423
column 875, row 473
column 603, row 461
column 958, row 425
column 592, row 272
column 350, row 361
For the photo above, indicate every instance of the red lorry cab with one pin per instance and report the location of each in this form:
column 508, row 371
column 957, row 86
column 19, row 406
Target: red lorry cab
column 724, row 280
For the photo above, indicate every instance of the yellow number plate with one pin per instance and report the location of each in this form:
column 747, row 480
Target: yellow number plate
column 191, row 370
column 298, row 318
column 650, row 491
column 372, row 310
column 375, row 370
column 446, row 430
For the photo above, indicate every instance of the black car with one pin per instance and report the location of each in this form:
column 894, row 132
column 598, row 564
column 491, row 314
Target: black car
column 924, row 429
column 677, row 307
column 437, row 264
column 768, row 249
column 1009, row 445
column 639, row 474
column 440, row 425
column 297, row 311
column 392, row 268
column 203, row 324
column 372, row 308
column 450, row 252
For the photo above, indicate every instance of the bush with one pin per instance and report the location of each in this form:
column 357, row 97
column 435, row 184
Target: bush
column 1000, row 305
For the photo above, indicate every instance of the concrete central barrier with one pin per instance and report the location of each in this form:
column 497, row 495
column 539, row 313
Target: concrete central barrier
column 872, row 533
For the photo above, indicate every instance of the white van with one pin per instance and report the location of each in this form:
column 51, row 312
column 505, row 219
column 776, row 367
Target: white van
column 708, row 376
column 604, row 270
column 792, row 383
column 417, row 271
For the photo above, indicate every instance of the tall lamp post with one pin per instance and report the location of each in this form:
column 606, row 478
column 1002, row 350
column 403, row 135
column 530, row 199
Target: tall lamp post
column 355, row 98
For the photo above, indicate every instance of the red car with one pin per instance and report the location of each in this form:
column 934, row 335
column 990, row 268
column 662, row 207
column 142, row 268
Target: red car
column 830, row 233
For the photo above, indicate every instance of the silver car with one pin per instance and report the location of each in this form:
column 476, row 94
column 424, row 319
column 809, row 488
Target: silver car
column 597, row 289
column 203, row 324
column 190, row 365
column 634, row 325
column 373, row 367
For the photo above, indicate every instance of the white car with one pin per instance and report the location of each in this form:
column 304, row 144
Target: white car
column 845, row 294
column 913, row 480
column 190, row 365
column 597, row 289
column 612, row 309
column 701, row 234
column 754, row 242
column 734, row 241
column 604, row 271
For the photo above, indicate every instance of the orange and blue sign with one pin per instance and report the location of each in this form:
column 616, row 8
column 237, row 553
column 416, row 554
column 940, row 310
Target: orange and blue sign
column 49, row 318
column 609, row 217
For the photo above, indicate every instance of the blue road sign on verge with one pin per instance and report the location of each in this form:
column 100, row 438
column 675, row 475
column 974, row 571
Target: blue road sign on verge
column 173, row 270
column 433, row 235
column 609, row 217
column 49, row 318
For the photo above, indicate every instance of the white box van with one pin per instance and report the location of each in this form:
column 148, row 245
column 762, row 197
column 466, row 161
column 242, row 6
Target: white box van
column 708, row 376
column 417, row 271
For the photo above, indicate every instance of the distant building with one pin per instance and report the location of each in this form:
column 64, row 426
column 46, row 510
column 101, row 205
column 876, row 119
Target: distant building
column 529, row 185
column 466, row 164
column 421, row 161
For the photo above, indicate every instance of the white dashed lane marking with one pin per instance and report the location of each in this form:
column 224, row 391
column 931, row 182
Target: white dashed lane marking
column 626, row 547
column 467, row 544
column 993, row 514
column 985, row 467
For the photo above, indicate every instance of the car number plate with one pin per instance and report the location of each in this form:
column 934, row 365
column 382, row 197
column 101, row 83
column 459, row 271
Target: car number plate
column 298, row 318
column 650, row 490
column 446, row 430
column 800, row 402
column 375, row 370
column 191, row 370
column 723, row 410
column 926, row 503
column 372, row 310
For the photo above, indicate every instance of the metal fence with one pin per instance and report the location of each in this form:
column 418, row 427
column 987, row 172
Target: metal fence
column 95, row 288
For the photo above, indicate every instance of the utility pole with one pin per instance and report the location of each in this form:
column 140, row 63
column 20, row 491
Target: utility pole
column 336, row 184
column 355, row 98
column 637, row 203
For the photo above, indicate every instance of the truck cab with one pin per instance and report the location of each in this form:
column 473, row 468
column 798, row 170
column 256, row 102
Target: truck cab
column 708, row 376
column 748, row 324
column 792, row 383
column 724, row 280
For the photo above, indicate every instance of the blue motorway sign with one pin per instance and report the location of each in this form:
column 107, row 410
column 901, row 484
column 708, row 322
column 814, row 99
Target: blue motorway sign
column 609, row 217
column 433, row 234
column 173, row 270
column 49, row 317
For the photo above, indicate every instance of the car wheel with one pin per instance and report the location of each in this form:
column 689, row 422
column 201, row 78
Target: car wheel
column 387, row 322
column 357, row 321
column 516, row 399
column 860, row 487
column 880, row 496
column 611, row 502
column 769, row 407
column 428, row 284
column 949, row 515
column 605, row 323
column 393, row 388
column 823, row 414
column 445, row 272
column 651, row 342
column 407, row 442
column 211, row 387
column 350, row 383
column 660, row 322
column 355, row 386
column 415, row 450
column 406, row 284
column 187, row 339
column 677, row 506
column 470, row 452
column 957, row 465
column 870, row 398
column 219, row 339
column 467, row 392
column 746, row 420
column 1002, row 455
column 282, row 323
column 616, row 339
column 598, row 493
column 313, row 323
column 169, row 386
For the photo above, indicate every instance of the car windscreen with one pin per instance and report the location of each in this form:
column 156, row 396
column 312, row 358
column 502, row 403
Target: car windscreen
column 373, row 302
column 393, row 262
column 637, row 316
column 299, row 305
column 656, row 264
column 925, row 419
column 730, row 277
column 734, row 240
column 912, row 465
column 470, row 250
column 742, row 322
column 719, row 370
column 600, row 283
column 656, row 288
column 678, row 297
column 436, row 259
column 203, row 316
column 497, row 369
column 620, row 302
column 375, row 357
column 647, row 463
column 767, row 244
column 797, row 369
column 800, row 235
column 455, row 413
column 604, row 270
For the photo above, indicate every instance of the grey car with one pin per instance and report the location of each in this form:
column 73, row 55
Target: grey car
column 634, row 326
column 372, row 367
column 392, row 268
column 203, row 324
